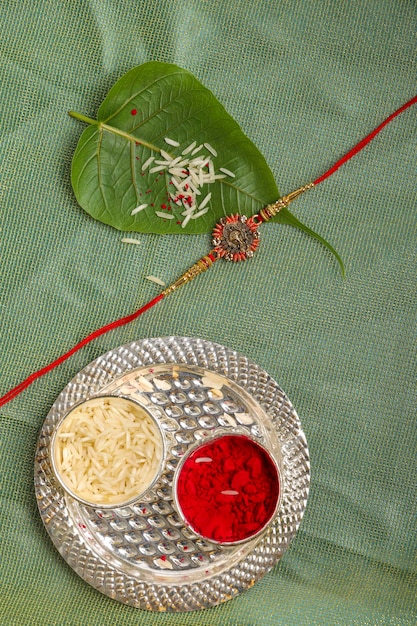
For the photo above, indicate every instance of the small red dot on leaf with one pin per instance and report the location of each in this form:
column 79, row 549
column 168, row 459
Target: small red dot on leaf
column 133, row 112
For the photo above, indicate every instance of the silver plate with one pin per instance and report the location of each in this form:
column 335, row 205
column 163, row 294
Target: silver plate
column 143, row 555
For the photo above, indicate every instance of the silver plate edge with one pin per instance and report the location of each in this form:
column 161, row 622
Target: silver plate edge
column 266, row 553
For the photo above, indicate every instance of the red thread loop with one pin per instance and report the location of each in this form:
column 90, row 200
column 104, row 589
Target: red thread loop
column 364, row 142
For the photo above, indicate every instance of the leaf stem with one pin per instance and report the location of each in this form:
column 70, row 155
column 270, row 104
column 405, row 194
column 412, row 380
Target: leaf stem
column 114, row 130
column 122, row 133
column 82, row 118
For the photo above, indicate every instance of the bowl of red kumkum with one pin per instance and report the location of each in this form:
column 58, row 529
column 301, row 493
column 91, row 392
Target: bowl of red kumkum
column 228, row 488
column 107, row 451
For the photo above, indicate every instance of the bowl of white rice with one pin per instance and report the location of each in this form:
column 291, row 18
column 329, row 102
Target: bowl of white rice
column 107, row 451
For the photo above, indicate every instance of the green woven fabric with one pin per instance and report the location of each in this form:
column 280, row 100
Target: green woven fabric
column 306, row 80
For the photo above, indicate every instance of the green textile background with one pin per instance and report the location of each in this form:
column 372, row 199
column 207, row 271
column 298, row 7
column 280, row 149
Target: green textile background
column 306, row 80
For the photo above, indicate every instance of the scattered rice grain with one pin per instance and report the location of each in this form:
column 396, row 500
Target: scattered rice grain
column 210, row 149
column 178, row 171
column 186, row 220
column 130, row 240
column 199, row 214
column 179, row 162
column 155, row 279
column 227, row 172
column 189, row 148
column 205, row 201
column 148, row 162
column 196, row 149
column 166, row 156
column 138, row 208
column 171, row 142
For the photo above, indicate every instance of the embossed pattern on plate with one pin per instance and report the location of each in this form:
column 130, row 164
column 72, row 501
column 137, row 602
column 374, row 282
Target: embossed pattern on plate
column 144, row 555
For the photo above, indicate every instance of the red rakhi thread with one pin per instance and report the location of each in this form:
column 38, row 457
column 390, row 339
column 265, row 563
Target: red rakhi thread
column 364, row 142
column 97, row 333
column 222, row 239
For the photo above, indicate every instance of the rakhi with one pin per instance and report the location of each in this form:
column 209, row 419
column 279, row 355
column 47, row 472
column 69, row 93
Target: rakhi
column 235, row 238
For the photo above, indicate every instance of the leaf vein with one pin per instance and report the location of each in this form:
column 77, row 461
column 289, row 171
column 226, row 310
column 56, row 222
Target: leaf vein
column 100, row 178
column 164, row 106
column 138, row 93
column 84, row 167
column 133, row 170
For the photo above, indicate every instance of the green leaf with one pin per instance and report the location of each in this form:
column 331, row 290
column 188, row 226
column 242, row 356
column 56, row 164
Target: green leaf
column 286, row 217
column 149, row 104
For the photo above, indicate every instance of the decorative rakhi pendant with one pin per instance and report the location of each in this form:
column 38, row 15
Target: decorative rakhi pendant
column 236, row 237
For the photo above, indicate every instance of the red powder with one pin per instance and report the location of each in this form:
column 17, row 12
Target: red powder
column 228, row 489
